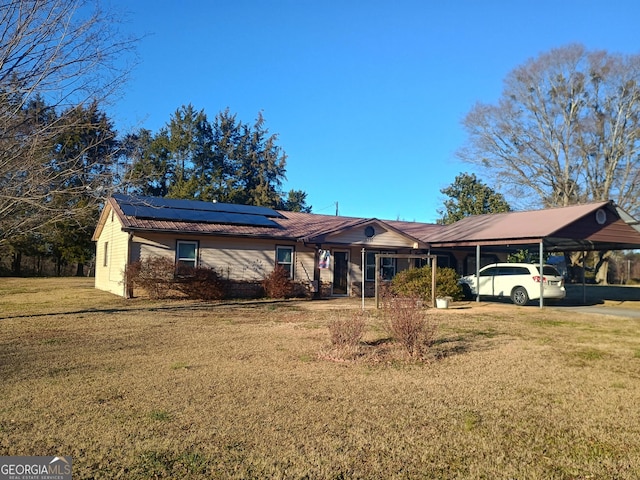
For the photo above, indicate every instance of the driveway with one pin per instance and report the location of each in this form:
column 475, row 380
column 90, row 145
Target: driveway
column 618, row 311
column 618, row 300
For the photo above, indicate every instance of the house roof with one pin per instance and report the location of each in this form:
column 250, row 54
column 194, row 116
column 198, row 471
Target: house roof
column 192, row 217
column 593, row 226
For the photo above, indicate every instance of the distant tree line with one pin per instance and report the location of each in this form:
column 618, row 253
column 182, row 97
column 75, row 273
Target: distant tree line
column 225, row 160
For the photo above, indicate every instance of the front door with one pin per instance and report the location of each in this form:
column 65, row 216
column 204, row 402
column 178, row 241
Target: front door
column 340, row 272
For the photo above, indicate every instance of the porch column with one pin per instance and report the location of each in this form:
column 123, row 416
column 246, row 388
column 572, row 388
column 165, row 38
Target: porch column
column 363, row 274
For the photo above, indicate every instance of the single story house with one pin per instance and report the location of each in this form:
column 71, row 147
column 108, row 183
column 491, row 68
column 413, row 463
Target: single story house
column 333, row 255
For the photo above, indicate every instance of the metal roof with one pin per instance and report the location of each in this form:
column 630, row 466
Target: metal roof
column 593, row 226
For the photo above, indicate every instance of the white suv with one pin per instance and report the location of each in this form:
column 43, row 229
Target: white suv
column 519, row 281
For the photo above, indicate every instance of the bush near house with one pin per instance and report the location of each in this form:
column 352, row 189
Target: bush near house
column 157, row 276
column 278, row 284
column 416, row 282
column 201, row 283
column 153, row 274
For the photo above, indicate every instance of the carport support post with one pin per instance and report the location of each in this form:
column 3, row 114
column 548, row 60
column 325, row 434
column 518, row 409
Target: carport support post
column 434, row 268
column 478, row 273
column 541, row 273
column 377, row 281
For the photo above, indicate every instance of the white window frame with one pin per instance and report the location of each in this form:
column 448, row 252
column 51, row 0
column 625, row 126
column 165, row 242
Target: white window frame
column 385, row 263
column 182, row 261
column 287, row 265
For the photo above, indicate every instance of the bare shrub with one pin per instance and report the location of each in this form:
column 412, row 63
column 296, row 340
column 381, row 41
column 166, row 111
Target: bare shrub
column 347, row 331
column 346, row 334
column 153, row 274
column 278, row 284
column 408, row 324
column 201, row 283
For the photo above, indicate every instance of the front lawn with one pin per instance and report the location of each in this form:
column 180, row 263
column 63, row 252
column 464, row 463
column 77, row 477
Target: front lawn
column 178, row 389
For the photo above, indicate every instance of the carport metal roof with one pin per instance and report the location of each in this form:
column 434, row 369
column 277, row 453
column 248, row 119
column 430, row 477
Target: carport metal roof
column 592, row 226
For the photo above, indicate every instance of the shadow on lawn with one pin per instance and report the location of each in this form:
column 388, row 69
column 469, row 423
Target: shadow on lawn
column 188, row 305
column 472, row 341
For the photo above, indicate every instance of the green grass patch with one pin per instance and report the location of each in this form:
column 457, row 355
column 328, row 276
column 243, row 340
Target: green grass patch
column 589, row 354
column 180, row 366
column 160, row 415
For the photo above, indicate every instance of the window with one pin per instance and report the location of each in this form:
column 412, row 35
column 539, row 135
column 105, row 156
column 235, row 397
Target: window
column 186, row 254
column 387, row 267
column 514, row 271
column 284, row 258
column 105, row 259
column 490, row 272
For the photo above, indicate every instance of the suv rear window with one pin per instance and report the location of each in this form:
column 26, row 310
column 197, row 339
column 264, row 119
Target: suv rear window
column 548, row 270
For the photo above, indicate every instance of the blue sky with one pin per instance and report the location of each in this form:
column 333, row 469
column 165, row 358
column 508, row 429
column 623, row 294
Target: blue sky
column 367, row 97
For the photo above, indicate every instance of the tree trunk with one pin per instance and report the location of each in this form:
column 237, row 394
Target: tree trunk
column 575, row 266
column 80, row 270
column 602, row 267
column 16, row 264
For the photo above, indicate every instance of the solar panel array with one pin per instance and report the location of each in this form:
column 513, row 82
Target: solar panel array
column 177, row 210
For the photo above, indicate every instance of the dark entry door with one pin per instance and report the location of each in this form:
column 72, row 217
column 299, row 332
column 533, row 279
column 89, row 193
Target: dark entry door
column 340, row 272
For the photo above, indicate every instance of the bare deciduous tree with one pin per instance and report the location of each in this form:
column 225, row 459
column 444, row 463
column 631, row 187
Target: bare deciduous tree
column 565, row 130
column 54, row 55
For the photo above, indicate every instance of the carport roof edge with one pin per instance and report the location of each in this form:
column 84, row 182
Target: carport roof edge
column 591, row 226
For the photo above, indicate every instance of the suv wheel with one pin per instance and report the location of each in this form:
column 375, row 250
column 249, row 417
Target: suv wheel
column 519, row 296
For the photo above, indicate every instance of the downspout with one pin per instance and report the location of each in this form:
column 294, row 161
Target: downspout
column 128, row 288
column 584, row 279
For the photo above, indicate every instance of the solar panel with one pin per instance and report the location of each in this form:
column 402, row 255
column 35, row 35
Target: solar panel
column 181, row 204
column 196, row 211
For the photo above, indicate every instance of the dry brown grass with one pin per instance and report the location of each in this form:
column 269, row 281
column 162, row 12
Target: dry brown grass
column 177, row 389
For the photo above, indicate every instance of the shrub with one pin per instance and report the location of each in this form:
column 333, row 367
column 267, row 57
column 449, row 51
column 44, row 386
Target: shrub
column 416, row 283
column 153, row 274
column 201, row 283
column 157, row 276
column 407, row 323
column 346, row 332
column 278, row 284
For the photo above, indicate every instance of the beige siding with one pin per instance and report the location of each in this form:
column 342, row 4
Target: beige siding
column 233, row 258
column 111, row 256
column 383, row 238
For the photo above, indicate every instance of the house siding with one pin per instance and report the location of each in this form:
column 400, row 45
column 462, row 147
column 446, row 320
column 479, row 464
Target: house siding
column 113, row 243
column 383, row 238
column 233, row 258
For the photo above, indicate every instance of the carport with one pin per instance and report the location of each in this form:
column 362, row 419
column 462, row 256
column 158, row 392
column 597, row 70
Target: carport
column 597, row 226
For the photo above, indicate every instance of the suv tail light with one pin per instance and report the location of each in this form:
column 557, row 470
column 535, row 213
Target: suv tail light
column 536, row 278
